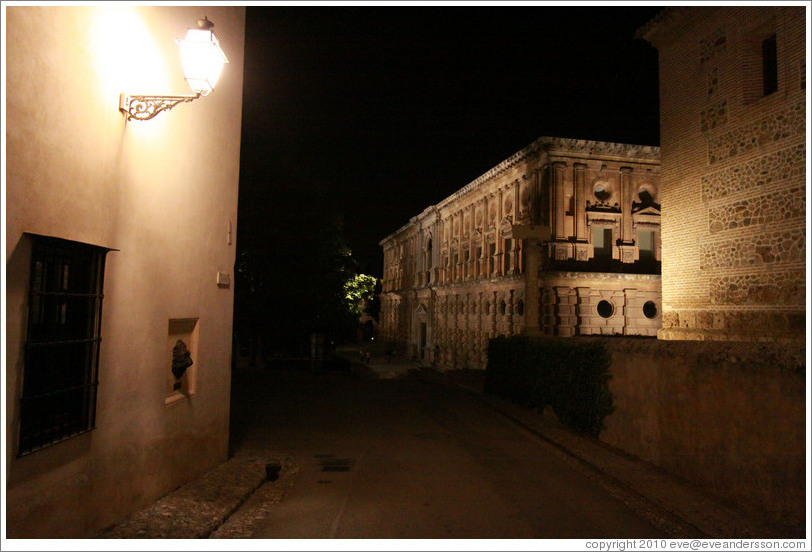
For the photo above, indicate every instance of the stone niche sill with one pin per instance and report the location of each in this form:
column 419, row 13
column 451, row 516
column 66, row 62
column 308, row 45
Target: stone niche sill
column 175, row 398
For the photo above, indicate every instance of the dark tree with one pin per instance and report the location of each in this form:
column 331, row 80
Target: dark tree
column 292, row 264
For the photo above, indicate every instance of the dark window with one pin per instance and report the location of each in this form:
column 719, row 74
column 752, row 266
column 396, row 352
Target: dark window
column 62, row 345
column 602, row 242
column 650, row 309
column 769, row 64
column 645, row 244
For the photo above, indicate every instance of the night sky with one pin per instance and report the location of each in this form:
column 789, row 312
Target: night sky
column 382, row 111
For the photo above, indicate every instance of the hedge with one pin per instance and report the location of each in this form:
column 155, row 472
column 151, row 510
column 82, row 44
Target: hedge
column 570, row 375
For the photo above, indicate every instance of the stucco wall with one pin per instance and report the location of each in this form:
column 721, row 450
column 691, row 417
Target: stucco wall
column 729, row 417
column 163, row 193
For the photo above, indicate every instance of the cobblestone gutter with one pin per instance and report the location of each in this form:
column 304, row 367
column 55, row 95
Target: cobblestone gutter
column 197, row 509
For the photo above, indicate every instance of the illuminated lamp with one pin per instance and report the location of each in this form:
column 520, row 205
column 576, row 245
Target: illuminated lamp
column 203, row 61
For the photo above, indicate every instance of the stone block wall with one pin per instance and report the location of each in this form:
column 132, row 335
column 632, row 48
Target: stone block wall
column 577, row 303
column 733, row 174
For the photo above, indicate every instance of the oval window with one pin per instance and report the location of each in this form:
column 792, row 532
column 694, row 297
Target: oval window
column 645, row 196
column 650, row 309
column 601, row 192
column 605, row 309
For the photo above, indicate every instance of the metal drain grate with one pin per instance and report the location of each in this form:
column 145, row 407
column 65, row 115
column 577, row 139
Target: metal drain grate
column 329, row 464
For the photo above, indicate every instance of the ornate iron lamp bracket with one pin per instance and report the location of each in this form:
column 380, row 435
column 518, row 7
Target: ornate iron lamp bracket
column 144, row 108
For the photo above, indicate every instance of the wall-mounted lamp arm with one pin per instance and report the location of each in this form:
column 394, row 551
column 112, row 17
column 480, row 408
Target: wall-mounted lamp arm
column 144, row 108
column 202, row 59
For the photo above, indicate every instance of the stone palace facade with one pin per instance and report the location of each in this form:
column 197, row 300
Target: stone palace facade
column 562, row 238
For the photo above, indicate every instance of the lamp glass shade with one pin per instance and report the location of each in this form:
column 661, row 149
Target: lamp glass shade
column 202, row 59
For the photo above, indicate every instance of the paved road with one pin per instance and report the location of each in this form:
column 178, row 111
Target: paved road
column 403, row 458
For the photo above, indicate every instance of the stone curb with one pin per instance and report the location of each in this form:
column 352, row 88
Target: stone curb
column 694, row 513
column 196, row 509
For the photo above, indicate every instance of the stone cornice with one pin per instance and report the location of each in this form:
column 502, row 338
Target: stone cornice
column 553, row 145
column 545, row 144
column 667, row 25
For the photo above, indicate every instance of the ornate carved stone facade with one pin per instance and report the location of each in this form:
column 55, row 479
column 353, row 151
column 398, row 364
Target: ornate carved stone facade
column 733, row 120
column 562, row 238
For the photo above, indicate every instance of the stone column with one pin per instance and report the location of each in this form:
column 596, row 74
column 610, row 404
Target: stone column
column 495, row 309
column 531, row 286
column 559, row 209
column 580, row 202
column 469, row 268
column 498, row 234
column 581, row 238
column 626, row 198
column 627, row 246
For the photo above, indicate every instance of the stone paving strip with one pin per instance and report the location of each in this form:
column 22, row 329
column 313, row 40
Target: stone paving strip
column 260, row 504
column 196, row 509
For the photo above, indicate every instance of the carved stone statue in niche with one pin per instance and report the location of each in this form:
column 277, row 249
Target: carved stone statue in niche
column 181, row 359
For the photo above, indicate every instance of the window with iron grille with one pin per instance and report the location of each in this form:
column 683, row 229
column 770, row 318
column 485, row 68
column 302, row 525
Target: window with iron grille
column 62, row 344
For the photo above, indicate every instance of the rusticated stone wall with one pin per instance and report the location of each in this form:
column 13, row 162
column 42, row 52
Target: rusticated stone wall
column 786, row 123
column 780, row 287
column 733, row 187
column 776, row 246
column 786, row 164
column 773, row 207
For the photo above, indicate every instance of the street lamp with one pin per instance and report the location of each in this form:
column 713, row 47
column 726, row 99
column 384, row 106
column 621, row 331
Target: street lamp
column 203, row 61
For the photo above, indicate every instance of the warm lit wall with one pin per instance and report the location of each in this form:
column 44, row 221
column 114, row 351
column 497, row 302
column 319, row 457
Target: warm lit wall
column 726, row 416
column 733, row 173
column 163, row 193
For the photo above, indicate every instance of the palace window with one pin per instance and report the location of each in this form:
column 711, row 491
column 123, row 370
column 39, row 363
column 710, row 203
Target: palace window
column 645, row 244
column 602, row 242
column 62, row 345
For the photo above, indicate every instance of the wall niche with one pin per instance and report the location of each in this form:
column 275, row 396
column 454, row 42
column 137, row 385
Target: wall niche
column 180, row 359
